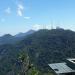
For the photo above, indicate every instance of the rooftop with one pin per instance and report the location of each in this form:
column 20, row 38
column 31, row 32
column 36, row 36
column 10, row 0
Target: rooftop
column 61, row 68
column 72, row 60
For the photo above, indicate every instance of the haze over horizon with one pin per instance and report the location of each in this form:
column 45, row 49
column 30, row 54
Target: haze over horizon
column 22, row 15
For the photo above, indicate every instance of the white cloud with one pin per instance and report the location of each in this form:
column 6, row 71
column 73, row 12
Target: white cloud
column 20, row 10
column 20, row 7
column 27, row 18
column 8, row 10
column 38, row 26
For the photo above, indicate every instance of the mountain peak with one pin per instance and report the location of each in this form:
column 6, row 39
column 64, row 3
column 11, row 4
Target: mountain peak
column 7, row 35
column 24, row 34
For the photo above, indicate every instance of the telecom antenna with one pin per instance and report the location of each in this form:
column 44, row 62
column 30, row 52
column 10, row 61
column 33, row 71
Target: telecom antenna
column 44, row 26
column 51, row 24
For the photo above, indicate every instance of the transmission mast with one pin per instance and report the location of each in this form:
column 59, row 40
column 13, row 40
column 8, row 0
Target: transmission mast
column 51, row 24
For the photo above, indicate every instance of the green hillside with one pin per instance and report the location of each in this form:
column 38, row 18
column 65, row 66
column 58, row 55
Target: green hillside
column 42, row 47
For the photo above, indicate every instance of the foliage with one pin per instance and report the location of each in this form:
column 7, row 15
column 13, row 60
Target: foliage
column 40, row 49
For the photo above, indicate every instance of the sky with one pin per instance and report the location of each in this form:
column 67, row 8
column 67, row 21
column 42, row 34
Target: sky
column 22, row 15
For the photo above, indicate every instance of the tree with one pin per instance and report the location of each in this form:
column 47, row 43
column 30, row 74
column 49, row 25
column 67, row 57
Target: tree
column 25, row 63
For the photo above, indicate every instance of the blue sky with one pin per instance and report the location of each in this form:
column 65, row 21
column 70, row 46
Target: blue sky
column 21, row 15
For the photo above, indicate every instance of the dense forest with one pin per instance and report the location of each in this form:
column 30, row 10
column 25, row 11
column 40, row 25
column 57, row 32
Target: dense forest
column 32, row 54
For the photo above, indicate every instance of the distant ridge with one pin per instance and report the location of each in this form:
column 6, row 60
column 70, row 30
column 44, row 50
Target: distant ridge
column 24, row 34
column 9, row 39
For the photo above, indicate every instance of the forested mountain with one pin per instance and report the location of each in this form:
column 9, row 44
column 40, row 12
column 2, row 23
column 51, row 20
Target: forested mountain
column 9, row 39
column 48, row 46
column 43, row 47
column 24, row 34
